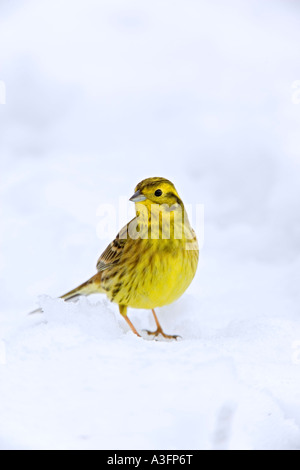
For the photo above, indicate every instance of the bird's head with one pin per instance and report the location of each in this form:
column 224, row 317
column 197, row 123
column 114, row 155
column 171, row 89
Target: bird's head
column 156, row 191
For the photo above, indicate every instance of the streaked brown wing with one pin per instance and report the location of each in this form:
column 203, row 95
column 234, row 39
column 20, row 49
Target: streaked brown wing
column 112, row 254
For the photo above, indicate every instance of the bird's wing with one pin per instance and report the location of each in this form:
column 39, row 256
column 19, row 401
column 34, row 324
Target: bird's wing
column 112, row 254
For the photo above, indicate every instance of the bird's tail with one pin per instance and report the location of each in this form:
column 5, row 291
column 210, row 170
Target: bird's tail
column 92, row 286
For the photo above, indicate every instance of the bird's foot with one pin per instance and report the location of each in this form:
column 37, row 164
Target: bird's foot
column 158, row 332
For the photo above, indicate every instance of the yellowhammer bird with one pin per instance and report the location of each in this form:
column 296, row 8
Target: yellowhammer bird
column 152, row 260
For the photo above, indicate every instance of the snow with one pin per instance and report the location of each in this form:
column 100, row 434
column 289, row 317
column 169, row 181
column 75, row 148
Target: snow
column 100, row 95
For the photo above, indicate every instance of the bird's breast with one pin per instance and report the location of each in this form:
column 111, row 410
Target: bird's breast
column 162, row 271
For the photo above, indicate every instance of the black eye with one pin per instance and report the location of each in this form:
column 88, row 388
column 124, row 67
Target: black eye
column 158, row 192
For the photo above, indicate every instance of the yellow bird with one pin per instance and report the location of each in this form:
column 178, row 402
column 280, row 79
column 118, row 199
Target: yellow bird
column 152, row 260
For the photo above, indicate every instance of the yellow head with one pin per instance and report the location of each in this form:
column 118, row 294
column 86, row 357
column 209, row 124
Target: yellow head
column 156, row 191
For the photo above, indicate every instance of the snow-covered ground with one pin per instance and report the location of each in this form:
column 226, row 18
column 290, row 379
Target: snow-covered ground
column 100, row 95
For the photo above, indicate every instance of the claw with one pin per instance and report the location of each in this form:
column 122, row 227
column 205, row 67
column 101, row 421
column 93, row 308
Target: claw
column 158, row 332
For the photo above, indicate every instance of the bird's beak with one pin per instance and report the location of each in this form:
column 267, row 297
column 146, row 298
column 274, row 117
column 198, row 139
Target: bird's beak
column 137, row 197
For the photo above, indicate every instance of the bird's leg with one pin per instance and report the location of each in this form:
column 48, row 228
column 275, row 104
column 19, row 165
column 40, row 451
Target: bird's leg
column 123, row 312
column 159, row 330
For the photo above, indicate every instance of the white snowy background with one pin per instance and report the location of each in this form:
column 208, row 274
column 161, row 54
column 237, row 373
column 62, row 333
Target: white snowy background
column 99, row 95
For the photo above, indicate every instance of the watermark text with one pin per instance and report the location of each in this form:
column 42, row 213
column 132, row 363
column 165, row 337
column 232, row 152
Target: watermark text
column 155, row 221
